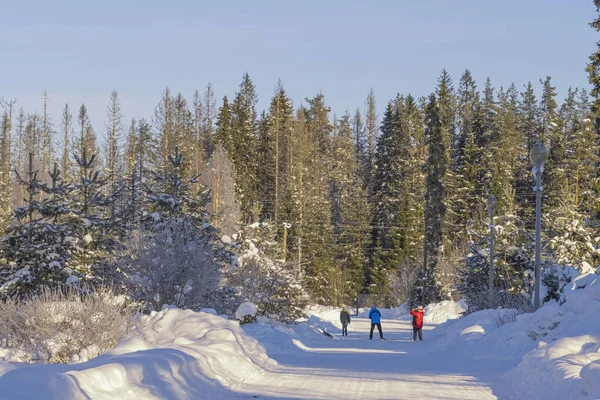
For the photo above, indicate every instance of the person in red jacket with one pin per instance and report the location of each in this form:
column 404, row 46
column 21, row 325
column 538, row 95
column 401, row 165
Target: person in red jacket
column 417, row 323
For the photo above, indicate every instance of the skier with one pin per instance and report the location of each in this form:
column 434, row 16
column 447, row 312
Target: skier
column 375, row 317
column 417, row 323
column 345, row 320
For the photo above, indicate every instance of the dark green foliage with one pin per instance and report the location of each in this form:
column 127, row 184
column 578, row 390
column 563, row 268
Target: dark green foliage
column 428, row 285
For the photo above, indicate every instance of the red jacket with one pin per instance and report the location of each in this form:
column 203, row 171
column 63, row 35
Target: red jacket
column 417, row 318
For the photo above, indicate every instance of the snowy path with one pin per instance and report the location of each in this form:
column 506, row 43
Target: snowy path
column 183, row 355
column 357, row 368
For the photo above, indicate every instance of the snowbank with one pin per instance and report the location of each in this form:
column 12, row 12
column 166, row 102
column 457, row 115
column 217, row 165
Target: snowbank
column 555, row 350
column 438, row 313
column 176, row 354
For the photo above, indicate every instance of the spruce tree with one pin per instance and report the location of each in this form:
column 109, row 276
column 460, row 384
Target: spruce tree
column 350, row 212
column 40, row 245
column 317, row 230
column 427, row 287
column 593, row 67
column 223, row 134
column 244, row 126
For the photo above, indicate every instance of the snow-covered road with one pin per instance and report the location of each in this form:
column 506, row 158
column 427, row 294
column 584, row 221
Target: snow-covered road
column 353, row 367
column 180, row 354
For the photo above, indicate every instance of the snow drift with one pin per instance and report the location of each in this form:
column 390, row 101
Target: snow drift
column 556, row 349
column 177, row 354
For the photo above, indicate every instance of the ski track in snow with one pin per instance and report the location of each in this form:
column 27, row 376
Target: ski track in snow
column 358, row 368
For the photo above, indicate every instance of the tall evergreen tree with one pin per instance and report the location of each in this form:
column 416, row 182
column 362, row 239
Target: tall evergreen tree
column 593, row 67
column 427, row 288
column 113, row 139
column 350, row 213
column 244, row 126
column 223, row 133
column 317, row 231
column 67, row 131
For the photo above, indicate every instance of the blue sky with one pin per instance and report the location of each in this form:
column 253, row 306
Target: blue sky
column 81, row 50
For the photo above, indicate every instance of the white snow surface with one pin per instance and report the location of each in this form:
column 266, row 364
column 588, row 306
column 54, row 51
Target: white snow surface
column 553, row 353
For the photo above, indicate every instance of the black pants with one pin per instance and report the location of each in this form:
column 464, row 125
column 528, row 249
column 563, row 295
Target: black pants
column 378, row 328
column 344, row 329
column 419, row 331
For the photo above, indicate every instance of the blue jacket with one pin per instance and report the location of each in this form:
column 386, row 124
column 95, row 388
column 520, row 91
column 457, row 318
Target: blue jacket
column 375, row 315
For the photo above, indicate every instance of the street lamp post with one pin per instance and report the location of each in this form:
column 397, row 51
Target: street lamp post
column 492, row 203
column 538, row 156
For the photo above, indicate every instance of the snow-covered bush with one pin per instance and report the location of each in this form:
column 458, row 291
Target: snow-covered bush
column 555, row 279
column 246, row 313
column 571, row 239
column 171, row 264
column 61, row 324
column 500, row 299
column 270, row 283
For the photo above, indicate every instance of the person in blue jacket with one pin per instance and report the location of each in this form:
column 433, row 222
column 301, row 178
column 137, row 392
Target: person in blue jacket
column 375, row 317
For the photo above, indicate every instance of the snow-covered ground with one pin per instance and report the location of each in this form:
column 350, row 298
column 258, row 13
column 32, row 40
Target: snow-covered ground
column 553, row 353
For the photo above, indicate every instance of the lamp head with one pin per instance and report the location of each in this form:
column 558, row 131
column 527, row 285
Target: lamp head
column 538, row 154
column 492, row 203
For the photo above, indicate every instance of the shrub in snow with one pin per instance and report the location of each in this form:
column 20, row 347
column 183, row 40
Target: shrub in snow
column 171, row 264
column 555, row 279
column 224, row 299
column 61, row 324
column 500, row 299
column 246, row 313
column 570, row 238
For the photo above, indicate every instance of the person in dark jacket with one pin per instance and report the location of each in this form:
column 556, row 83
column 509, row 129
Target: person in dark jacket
column 375, row 317
column 345, row 320
column 417, row 323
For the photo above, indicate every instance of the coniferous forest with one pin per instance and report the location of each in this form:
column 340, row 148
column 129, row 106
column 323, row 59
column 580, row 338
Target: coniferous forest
column 387, row 200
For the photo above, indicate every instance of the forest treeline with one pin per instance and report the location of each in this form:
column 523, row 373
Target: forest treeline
column 349, row 196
